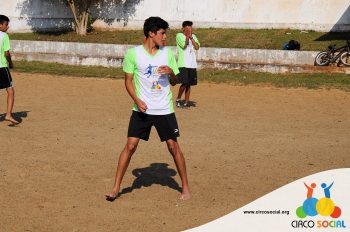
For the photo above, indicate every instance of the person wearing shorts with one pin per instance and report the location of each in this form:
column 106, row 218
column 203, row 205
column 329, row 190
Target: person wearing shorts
column 5, row 64
column 186, row 44
column 149, row 69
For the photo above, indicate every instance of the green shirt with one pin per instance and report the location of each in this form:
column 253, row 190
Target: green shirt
column 4, row 47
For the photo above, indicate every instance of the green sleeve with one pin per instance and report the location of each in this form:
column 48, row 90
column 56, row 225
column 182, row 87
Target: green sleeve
column 129, row 63
column 172, row 62
column 196, row 39
column 180, row 40
column 6, row 43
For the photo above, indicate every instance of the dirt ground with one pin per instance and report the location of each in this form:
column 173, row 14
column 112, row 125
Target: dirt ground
column 240, row 142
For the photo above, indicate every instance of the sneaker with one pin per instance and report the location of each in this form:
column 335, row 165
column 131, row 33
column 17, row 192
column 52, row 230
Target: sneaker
column 178, row 103
column 186, row 105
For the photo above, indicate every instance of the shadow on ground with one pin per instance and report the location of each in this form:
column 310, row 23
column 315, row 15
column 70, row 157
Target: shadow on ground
column 17, row 115
column 156, row 173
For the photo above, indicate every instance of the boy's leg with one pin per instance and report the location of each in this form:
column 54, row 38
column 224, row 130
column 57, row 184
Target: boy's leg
column 181, row 91
column 187, row 94
column 179, row 95
column 180, row 163
column 123, row 163
column 10, row 102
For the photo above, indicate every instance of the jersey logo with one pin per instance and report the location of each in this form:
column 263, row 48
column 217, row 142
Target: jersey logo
column 150, row 70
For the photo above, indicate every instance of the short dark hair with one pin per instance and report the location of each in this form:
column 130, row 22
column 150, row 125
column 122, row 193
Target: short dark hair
column 153, row 24
column 187, row 23
column 3, row 19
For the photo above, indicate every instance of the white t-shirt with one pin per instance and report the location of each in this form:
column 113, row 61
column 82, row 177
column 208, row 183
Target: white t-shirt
column 151, row 87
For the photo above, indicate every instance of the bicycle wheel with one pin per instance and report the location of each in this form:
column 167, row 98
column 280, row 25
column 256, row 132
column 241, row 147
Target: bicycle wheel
column 322, row 59
column 345, row 58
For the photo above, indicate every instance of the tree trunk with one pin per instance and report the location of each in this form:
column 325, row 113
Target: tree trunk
column 80, row 21
column 81, row 25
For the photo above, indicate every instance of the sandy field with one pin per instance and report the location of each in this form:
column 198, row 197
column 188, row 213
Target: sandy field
column 240, row 143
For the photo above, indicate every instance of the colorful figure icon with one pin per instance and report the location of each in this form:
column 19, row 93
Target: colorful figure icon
column 313, row 206
column 326, row 190
column 310, row 190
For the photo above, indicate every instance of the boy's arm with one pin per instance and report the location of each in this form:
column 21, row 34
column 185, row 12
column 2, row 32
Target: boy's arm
column 8, row 58
column 194, row 41
column 131, row 91
column 182, row 41
column 7, row 47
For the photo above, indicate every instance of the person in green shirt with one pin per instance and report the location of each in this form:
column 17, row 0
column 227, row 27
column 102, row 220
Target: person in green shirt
column 186, row 43
column 6, row 63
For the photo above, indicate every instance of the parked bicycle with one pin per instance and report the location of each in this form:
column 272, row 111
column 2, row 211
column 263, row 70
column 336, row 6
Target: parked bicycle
column 333, row 55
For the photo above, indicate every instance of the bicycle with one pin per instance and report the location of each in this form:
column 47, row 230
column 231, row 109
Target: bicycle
column 333, row 54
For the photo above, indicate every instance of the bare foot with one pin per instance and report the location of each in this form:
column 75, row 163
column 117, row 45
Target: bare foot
column 111, row 196
column 185, row 195
column 11, row 119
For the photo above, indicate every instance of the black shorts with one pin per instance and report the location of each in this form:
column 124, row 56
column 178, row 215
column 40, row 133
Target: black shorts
column 140, row 126
column 5, row 78
column 187, row 76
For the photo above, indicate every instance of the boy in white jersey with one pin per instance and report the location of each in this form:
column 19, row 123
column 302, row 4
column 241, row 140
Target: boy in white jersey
column 5, row 64
column 149, row 69
column 186, row 44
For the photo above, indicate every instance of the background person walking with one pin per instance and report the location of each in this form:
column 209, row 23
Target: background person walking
column 5, row 64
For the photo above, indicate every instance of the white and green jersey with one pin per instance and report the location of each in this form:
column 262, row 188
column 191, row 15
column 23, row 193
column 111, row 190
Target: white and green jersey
column 4, row 46
column 187, row 56
column 151, row 87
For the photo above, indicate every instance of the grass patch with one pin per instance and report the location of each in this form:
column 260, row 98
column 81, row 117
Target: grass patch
column 311, row 81
column 209, row 37
column 296, row 80
column 69, row 70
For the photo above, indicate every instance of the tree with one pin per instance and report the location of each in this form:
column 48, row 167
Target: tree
column 81, row 11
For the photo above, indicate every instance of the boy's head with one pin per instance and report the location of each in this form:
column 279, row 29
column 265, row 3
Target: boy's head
column 154, row 24
column 4, row 23
column 187, row 27
column 187, row 24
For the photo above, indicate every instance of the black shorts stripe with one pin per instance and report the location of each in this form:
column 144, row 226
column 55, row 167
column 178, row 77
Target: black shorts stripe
column 5, row 78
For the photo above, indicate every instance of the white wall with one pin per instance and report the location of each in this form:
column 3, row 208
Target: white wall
column 319, row 15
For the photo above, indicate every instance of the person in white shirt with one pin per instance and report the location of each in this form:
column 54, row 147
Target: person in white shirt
column 186, row 43
column 149, row 70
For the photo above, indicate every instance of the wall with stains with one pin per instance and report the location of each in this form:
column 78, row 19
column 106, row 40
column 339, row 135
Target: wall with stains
column 319, row 15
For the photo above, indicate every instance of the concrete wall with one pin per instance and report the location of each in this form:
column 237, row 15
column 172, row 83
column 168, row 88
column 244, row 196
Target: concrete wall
column 109, row 55
column 320, row 15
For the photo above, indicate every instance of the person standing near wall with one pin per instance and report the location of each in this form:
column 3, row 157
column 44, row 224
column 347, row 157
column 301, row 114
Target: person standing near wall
column 186, row 43
column 5, row 64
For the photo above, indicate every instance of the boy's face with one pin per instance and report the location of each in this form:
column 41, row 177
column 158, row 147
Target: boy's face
column 4, row 26
column 159, row 37
column 187, row 30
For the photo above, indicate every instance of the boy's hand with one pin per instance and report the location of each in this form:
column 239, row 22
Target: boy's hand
column 163, row 70
column 141, row 106
column 166, row 70
column 11, row 65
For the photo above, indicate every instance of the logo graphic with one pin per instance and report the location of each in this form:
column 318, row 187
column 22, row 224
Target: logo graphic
column 324, row 206
column 150, row 70
column 155, row 85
